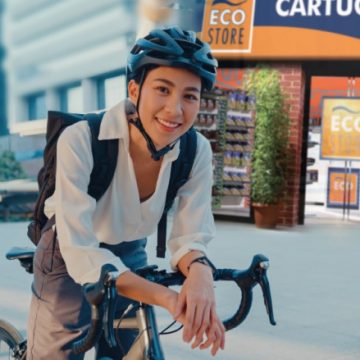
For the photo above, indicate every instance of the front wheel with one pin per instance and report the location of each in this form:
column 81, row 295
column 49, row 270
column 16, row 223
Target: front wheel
column 12, row 344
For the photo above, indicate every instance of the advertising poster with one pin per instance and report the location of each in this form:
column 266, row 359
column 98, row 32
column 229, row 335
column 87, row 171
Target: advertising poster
column 340, row 133
column 343, row 187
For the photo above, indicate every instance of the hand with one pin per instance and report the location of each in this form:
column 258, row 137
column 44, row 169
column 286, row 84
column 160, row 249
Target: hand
column 196, row 310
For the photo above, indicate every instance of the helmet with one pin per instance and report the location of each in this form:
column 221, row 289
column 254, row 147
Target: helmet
column 173, row 47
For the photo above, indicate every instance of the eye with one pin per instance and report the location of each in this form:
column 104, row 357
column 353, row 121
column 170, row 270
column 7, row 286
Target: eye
column 192, row 97
column 162, row 89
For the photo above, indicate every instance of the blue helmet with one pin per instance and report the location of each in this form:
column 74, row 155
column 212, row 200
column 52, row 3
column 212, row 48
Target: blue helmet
column 173, row 47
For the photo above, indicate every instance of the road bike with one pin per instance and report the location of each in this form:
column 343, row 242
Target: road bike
column 102, row 296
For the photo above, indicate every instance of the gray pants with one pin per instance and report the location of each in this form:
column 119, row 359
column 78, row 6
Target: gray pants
column 59, row 312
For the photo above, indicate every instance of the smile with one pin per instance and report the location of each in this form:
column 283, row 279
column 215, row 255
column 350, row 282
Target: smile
column 168, row 123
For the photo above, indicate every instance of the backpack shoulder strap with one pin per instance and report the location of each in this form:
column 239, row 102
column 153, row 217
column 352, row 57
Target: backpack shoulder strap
column 105, row 153
column 180, row 172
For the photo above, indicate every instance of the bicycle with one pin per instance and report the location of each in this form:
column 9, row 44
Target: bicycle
column 102, row 294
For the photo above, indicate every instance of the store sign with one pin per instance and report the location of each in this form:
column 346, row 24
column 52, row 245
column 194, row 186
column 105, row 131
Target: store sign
column 343, row 188
column 286, row 29
column 228, row 25
column 340, row 137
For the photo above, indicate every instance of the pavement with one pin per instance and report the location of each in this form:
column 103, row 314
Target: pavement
column 314, row 283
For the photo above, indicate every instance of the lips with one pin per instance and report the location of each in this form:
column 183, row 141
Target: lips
column 168, row 124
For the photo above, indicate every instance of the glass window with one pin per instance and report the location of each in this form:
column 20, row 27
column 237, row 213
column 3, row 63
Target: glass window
column 111, row 90
column 36, row 106
column 71, row 99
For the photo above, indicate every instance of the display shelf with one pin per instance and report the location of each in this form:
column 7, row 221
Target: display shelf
column 248, row 114
column 242, row 170
column 235, row 183
column 227, row 121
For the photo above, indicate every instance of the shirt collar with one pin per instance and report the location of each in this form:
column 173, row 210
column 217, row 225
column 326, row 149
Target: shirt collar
column 114, row 125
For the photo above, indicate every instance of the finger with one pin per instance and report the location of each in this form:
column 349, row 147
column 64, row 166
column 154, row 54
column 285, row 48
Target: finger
column 204, row 325
column 188, row 332
column 198, row 340
column 214, row 339
column 220, row 338
column 223, row 330
column 216, row 343
column 202, row 314
column 211, row 336
column 214, row 332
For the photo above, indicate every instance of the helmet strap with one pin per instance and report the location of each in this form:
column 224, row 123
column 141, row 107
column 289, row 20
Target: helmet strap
column 155, row 154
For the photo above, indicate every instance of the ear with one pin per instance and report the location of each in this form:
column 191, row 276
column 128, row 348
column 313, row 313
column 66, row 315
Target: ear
column 133, row 91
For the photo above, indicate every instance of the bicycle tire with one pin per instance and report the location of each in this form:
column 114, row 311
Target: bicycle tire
column 10, row 336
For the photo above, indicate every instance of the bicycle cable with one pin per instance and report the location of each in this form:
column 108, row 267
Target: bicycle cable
column 165, row 332
column 128, row 309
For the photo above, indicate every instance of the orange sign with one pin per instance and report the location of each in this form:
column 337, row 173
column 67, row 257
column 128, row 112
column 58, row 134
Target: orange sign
column 340, row 128
column 228, row 25
column 343, row 188
column 228, row 78
column 282, row 29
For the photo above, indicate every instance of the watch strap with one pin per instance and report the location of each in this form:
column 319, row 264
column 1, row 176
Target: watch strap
column 203, row 260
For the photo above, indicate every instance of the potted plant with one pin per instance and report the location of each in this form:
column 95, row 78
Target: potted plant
column 270, row 144
column 10, row 168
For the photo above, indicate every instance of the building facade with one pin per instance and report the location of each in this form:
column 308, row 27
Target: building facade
column 3, row 121
column 71, row 56
column 63, row 55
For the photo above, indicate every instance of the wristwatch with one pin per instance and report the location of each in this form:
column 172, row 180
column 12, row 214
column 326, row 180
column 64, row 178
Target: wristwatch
column 205, row 261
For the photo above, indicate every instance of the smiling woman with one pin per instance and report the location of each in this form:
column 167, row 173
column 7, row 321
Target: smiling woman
column 166, row 72
column 172, row 48
column 170, row 101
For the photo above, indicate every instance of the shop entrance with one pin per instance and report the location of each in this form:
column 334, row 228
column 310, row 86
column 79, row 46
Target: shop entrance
column 332, row 138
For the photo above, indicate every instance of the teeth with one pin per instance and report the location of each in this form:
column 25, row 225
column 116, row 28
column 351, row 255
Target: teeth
column 167, row 123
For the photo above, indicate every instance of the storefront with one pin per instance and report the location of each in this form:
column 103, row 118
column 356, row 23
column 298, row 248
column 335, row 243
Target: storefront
column 303, row 40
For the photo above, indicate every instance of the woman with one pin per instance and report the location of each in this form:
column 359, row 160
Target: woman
column 167, row 70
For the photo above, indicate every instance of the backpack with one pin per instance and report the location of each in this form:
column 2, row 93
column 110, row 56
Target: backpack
column 105, row 153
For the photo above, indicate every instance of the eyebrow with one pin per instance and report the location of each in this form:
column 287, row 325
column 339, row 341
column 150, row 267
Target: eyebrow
column 189, row 88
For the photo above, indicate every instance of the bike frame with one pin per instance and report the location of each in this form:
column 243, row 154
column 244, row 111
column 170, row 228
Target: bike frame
column 147, row 346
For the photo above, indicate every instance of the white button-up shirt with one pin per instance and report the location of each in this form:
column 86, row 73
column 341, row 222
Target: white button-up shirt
column 82, row 223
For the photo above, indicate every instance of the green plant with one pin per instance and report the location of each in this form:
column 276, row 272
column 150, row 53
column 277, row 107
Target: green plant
column 271, row 135
column 10, row 169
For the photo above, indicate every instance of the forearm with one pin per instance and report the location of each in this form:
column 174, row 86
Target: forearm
column 139, row 289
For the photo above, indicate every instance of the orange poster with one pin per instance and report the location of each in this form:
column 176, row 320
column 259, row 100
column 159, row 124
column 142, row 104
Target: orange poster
column 340, row 128
column 343, row 188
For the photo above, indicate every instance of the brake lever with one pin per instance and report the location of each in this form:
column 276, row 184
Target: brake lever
column 109, row 317
column 265, row 287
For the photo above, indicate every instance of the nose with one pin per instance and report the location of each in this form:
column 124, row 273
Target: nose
column 174, row 106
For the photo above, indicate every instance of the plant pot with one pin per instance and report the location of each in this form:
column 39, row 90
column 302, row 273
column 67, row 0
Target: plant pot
column 266, row 215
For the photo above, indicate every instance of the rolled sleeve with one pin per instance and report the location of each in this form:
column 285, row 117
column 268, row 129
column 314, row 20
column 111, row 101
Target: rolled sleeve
column 74, row 208
column 193, row 221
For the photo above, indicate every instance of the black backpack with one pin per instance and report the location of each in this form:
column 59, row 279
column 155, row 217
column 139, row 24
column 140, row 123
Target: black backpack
column 105, row 154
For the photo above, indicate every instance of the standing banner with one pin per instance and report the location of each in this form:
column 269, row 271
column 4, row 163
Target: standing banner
column 340, row 132
column 343, row 187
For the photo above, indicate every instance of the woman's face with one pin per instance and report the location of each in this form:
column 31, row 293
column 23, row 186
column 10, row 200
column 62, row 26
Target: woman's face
column 169, row 103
